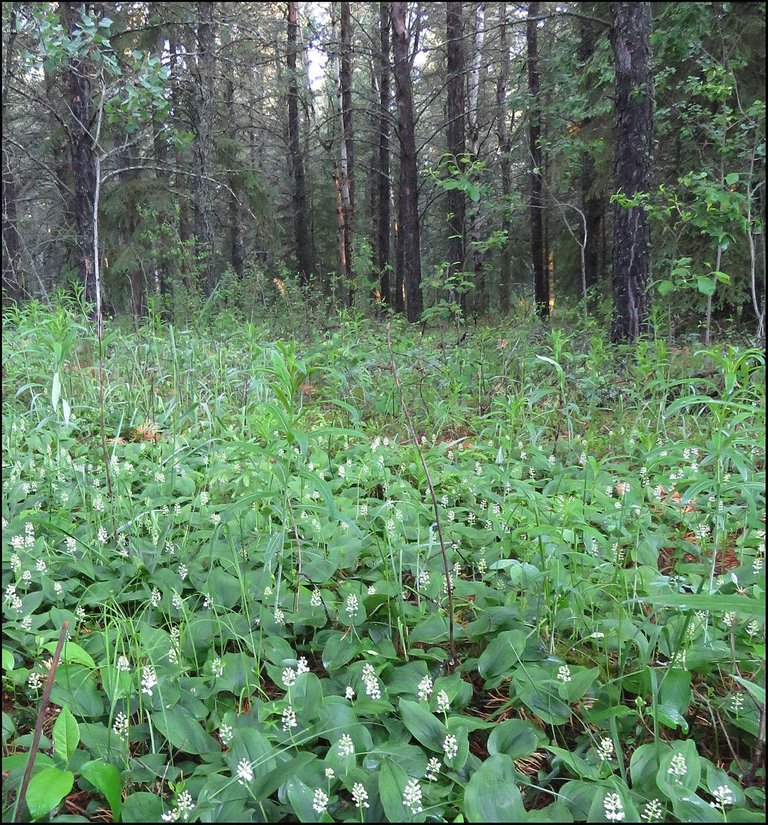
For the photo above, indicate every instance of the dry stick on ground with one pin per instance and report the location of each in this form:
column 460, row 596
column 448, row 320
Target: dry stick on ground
column 444, row 552
column 44, row 702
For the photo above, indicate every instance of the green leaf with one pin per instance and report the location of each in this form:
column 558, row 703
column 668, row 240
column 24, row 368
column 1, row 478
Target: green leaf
column 66, row 734
column 142, row 807
column 581, row 682
column 502, row 654
column 8, row 660
column 106, row 779
column 425, row 726
column 46, row 789
column 492, row 794
column 670, row 777
column 392, row 782
column 183, row 731
column 732, row 178
column 705, row 285
column 665, row 287
column 578, row 766
column 758, row 693
column 515, row 738
column 71, row 654
column 675, row 699
column 716, row 603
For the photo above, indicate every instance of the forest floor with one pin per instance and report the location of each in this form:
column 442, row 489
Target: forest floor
column 271, row 619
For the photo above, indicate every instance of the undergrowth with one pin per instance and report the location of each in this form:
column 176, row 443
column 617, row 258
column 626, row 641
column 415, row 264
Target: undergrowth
column 259, row 616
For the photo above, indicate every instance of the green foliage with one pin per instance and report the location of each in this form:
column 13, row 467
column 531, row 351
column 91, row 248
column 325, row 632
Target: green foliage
column 259, row 614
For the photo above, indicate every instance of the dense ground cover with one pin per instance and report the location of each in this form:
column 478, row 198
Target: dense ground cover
column 260, row 617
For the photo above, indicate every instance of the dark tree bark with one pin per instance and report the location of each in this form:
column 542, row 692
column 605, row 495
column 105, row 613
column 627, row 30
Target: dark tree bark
column 592, row 204
column 380, row 185
column 348, row 191
column 473, row 147
column 408, row 219
column 301, row 227
column 456, row 139
column 540, row 281
column 632, row 170
column 12, row 282
column 505, row 263
column 235, row 211
column 81, row 150
column 203, row 144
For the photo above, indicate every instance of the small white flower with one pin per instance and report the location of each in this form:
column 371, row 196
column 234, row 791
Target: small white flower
column 279, row 616
column 443, row 702
column 353, row 605
column 289, row 719
column 302, row 666
column 678, row 767
column 244, row 772
column 26, row 623
column 605, row 749
column 177, row 601
column 723, row 796
column 289, row 677
column 346, row 746
column 564, row 673
column 652, row 811
column 349, row 693
column 58, row 588
column 360, row 795
column 450, row 746
column 425, row 688
column 216, row 519
column 184, row 804
column 71, row 544
column 614, row 807
column 412, row 796
column 371, row 590
column 217, row 667
column 148, row 679
column 316, row 599
column 226, row 733
column 433, row 769
column 155, row 597
column 123, row 664
column 183, row 571
column 35, row 680
column 320, row 801
column 41, row 566
column 330, row 773
column 737, row 702
column 120, row 725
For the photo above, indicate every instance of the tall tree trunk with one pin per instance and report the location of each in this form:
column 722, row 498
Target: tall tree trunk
column 175, row 48
column 235, row 210
column 300, row 208
column 505, row 263
column 591, row 199
column 383, row 216
column 540, row 284
column 12, row 281
column 632, row 169
column 456, row 139
column 81, row 150
column 203, row 144
column 408, row 229
column 399, row 299
column 473, row 130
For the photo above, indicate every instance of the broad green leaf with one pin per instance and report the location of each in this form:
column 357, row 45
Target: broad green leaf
column 578, row 766
column 705, row 285
column 46, row 790
column 392, row 782
column 183, row 731
column 675, row 699
column 424, row 725
column 66, row 734
column 732, row 178
column 502, row 654
column 492, row 794
column 541, row 696
column 105, row 778
column 581, row 681
column 142, row 807
column 665, row 287
column 679, row 770
column 758, row 693
column 715, row 602
column 8, row 660
column 515, row 738
column 71, row 654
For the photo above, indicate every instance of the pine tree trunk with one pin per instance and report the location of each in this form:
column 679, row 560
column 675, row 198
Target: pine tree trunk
column 81, row 151
column 456, row 139
column 505, row 263
column 301, row 226
column 540, row 286
column 203, row 144
column 12, row 280
column 632, row 170
column 408, row 234
column 383, row 217
column 473, row 130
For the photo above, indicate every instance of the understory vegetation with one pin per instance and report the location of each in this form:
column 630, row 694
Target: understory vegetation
column 260, row 624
